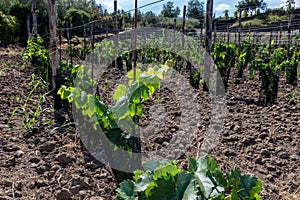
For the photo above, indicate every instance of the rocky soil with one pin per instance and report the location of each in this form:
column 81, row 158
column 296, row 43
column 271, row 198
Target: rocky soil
column 50, row 162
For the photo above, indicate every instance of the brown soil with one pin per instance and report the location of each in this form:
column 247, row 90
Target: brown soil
column 50, row 161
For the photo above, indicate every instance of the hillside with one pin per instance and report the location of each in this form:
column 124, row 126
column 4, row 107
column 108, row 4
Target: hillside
column 272, row 20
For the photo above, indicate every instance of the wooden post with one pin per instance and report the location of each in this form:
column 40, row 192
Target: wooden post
column 60, row 49
column 289, row 36
column 276, row 37
column 235, row 37
column 116, row 28
column 270, row 48
column 175, row 25
column 28, row 25
column 53, row 40
column 68, row 33
column 183, row 26
column 116, row 16
column 280, row 34
column 137, row 141
column 208, row 27
column 106, row 28
column 228, row 36
column 69, row 42
column 135, row 40
column 208, row 36
column 215, row 34
column 34, row 20
column 254, row 37
column 201, row 34
column 92, row 34
column 239, row 33
column 84, row 40
column 249, row 30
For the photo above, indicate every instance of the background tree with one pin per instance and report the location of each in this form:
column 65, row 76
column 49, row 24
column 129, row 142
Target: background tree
column 150, row 18
column 124, row 19
column 244, row 14
column 235, row 14
column 5, row 5
column 75, row 18
column 20, row 11
column 8, row 25
column 290, row 4
column 89, row 6
column 226, row 14
column 195, row 10
column 21, row 8
column 257, row 5
column 251, row 5
column 95, row 10
column 170, row 11
column 42, row 17
column 140, row 16
column 242, row 6
column 84, row 5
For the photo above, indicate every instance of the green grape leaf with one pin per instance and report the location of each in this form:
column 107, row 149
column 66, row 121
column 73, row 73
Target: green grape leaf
column 143, row 182
column 139, row 109
column 244, row 186
column 100, row 107
column 136, row 97
column 148, row 191
column 192, row 164
column 151, row 165
column 137, row 174
column 183, row 181
column 149, row 79
column 119, row 92
column 65, row 93
column 126, row 191
column 89, row 108
column 165, row 189
column 144, row 92
column 166, row 170
column 120, row 109
column 191, row 192
column 208, row 178
column 80, row 98
column 132, row 109
column 130, row 74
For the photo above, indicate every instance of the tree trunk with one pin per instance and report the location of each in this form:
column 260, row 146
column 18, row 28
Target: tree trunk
column 53, row 40
column 183, row 26
column 208, row 36
column 28, row 25
column 34, row 20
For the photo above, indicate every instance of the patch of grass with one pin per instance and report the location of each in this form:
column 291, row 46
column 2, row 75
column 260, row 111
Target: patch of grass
column 254, row 22
column 248, row 23
column 261, row 21
column 276, row 18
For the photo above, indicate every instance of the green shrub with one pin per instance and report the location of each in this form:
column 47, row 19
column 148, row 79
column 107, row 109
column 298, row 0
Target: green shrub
column 39, row 57
column 204, row 180
column 76, row 18
column 20, row 11
column 8, row 26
